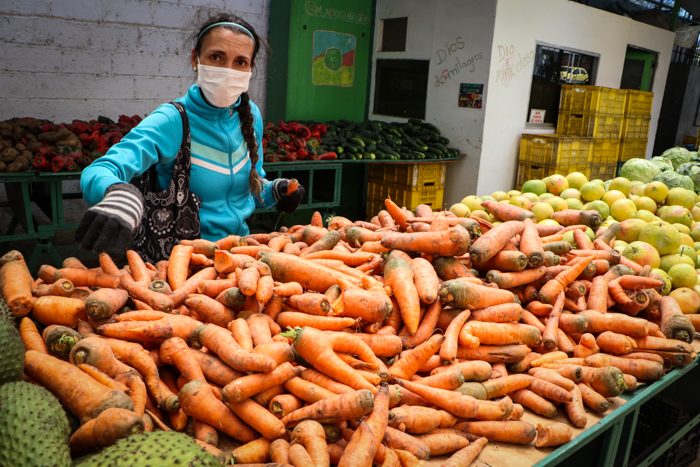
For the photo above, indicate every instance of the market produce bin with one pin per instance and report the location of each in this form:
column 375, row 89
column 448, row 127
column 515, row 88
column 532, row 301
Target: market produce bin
column 579, row 99
column 631, row 148
column 555, row 150
column 597, row 125
column 635, row 127
column 605, row 151
column 377, row 192
column 411, row 176
column 638, row 102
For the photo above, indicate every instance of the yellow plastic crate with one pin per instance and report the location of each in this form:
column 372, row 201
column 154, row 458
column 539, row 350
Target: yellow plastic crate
column 409, row 175
column 373, row 207
column 603, row 171
column 605, row 151
column 555, row 150
column 589, row 124
column 580, row 99
column 631, row 148
column 635, row 127
column 529, row 171
column 638, row 102
column 402, row 196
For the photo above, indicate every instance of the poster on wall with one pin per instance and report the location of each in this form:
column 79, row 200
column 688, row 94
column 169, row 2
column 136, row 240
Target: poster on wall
column 333, row 59
column 470, row 95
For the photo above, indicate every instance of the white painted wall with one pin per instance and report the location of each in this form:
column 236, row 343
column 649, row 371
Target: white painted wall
column 66, row 59
column 521, row 24
column 456, row 36
column 78, row 59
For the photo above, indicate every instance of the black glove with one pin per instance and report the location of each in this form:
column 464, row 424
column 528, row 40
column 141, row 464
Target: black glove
column 286, row 202
column 110, row 224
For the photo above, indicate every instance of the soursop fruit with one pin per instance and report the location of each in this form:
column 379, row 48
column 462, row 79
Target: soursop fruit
column 12, row 349
column 154, row 449
column 33, row 427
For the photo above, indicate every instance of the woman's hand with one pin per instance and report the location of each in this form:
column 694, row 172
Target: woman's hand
column 110, row 224
column 287, row 196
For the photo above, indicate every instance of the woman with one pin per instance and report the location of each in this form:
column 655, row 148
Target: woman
column 225, row 156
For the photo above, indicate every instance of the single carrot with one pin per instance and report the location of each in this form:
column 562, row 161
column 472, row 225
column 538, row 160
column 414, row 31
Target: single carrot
column 509, row 280
column 140, row 359
column 493, row 241
column 531, row 244
column 103, row 303
column 505, row 431
column 197, row 400
column 79, row 393
column 283, row 404
column 616, row 322
column 311, row 435
column 329, row 323
column 346, row 406
column 241, row 333
column 160, row 327
column 674, row 324
column 398, row 214
column 494, row 353
column 549, row 336
column 551, row 289
column 506, row 260
column 466, row 455
column 191, row 284
column 643, row 370
column 220, row 341
column 399, row 276
column 553, row 434
column 450, row 268
column 413, row 359
column 156, row 300
column 499, row 334
column 504, row 313
column 614, row 343
column 306, row 390
column 593, row 399
column 448, row 349
column 417, row 419
column 534, row 402
column 107, row 428
column 324, row 381
column 62, row 287
column 247, row 386
column 575, row 410
column 462, row 293
column 426, row 280
column 30, row 336
column 451, row 242
column 52, row 309
column 59, row 340
column 137, row 268
column 383, row 345
column 507, row 212
column 406, row 445
column 458, row 405
column 318, row 349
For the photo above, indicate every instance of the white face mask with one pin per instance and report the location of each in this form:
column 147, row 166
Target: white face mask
column 222, row 86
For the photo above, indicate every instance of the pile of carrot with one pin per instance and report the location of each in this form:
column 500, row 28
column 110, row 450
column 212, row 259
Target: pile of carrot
column 414, row 335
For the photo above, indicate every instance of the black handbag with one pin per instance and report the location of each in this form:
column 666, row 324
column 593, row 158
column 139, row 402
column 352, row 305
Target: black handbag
column 172, row 214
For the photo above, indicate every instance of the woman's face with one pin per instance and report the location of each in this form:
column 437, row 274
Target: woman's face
column 225, row 48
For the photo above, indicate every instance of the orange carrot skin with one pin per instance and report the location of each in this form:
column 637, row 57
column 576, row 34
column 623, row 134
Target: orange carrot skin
column 30, row 336
column 511, row 431
column 461, row 293
column 197, row 400
column 346, row 406
column 103, row 303
column 53, row 309
column 220, row 341
column 79, row 393
column 466, row 455
column 248, row 386
column 399, row 276
column 107, row 428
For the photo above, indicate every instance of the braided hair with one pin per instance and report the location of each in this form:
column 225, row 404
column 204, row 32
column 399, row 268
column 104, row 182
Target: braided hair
column 244, row 112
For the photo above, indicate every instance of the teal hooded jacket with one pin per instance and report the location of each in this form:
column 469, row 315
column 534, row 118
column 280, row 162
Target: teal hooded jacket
column 219, row 156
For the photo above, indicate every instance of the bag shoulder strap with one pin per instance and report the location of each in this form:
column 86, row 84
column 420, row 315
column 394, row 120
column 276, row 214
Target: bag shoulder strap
column 185, row 125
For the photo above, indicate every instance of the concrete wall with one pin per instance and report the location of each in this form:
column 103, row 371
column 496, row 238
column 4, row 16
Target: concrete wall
column 66, row 59
column 456, row 36
column 78, row 59
column 519, row 26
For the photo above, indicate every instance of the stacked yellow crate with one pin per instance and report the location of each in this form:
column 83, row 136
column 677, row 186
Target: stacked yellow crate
column 635, row 126
column 596, row 112
column 543, row 155
column 406, row 184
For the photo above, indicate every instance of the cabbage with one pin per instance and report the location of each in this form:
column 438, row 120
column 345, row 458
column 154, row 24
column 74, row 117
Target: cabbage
column 662, row 163
column 678, row 155
column 692, row 170
column 639, row 169
column 694, row 157
column 674, row 179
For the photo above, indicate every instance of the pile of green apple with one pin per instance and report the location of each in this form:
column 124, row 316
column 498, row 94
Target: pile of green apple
column 658, row 226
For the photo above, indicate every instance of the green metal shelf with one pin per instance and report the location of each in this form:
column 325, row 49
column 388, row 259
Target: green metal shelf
column 617, row 428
